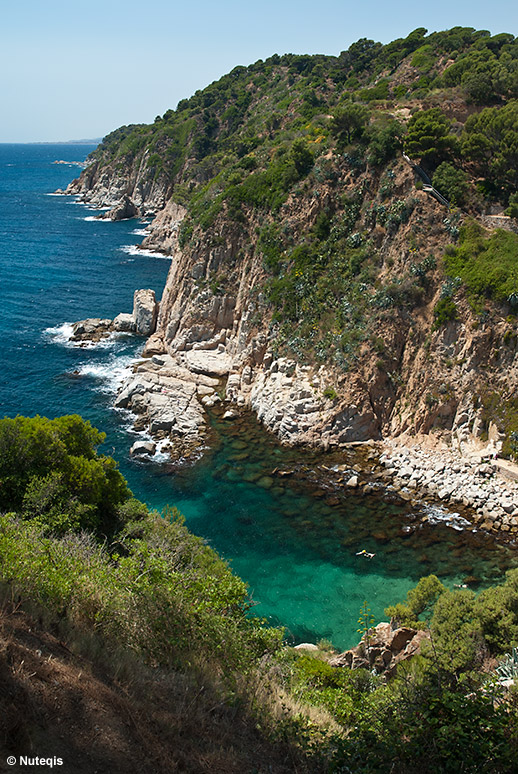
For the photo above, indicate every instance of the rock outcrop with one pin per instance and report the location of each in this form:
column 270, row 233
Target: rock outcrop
column 168, row 401
column 142, row 320
column 145, row 311
column 383, row 649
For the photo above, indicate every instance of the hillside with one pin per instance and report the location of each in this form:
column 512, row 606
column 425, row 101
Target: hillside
column 127, row 644
column 340, row 294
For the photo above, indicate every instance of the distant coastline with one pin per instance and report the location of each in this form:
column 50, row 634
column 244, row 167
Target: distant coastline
column 94, row 141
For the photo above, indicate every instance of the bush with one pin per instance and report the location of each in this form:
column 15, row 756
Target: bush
column 51, row 472
column 486, row 265
column 451, row 182
column 444, row 311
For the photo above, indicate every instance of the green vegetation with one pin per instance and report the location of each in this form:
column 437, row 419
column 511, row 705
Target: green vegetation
column 429, row 137
column 502, row 409
column 50, row 472
column 488, row 266
column 157, row 596
column 451, row 183
column 320, row 135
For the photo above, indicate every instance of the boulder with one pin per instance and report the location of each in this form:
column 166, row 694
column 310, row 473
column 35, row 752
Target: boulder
column 124, row 323
column 124, row 210
column 143, row 447
column 399, row 639
column 145, row 311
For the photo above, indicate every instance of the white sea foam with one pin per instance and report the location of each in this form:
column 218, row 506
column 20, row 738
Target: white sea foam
column 134, row 250
column 437, row 515
column 140, row 232
column 60, row 334
column 109, row 374
column 96, row 219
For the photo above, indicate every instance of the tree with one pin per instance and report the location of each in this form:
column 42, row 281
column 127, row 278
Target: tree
column 419, row 602
column 451, row 183
column 385, row 141
column 50, row 470
column 349, row 122
column 429, row 137
column 490, row 140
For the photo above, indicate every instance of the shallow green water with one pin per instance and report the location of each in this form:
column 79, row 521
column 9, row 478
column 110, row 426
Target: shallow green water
column 294, row 538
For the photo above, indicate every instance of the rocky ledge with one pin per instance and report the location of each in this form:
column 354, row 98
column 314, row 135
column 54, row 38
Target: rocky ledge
column 476, row 482
column 168, row 400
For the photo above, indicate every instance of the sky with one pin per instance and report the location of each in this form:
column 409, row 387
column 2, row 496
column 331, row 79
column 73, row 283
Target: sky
column 72, row 70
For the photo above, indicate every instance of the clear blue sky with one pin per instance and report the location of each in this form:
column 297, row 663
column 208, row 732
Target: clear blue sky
column 72, row 70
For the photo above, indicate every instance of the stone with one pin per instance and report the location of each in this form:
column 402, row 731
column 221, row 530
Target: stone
column 399, row 638
column 143, row 447
column 123, row 210
column 145, row 311
column 230, row 414
column 124, row 323
column 344, row 659
column 306, row 646
column 352, row 482
column 208, row 362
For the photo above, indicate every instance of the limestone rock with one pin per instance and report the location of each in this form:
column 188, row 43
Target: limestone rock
column 143, row 447
column 145, row 311
column 124, row 323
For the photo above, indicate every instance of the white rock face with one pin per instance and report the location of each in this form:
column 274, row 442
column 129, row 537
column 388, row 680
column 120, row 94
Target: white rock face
column 124, row 323
column 145, row 311
column 201, row 361
column 168, row 400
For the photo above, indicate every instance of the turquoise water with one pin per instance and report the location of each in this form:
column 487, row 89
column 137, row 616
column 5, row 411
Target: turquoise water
column 293, row 538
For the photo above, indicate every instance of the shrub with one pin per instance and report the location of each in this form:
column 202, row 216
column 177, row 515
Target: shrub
column 486, row 265
column 451, row 183
column 50, row 471
column 444, row 311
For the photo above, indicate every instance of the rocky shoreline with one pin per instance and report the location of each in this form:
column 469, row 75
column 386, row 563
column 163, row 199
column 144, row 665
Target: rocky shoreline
column 479, row 482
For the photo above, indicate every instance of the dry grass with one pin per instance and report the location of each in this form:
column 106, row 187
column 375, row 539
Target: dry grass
column 103, row 710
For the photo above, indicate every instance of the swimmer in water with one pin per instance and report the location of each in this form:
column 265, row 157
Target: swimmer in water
column 363, row 552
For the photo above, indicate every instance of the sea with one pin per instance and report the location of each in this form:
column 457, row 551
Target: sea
column 297, row 539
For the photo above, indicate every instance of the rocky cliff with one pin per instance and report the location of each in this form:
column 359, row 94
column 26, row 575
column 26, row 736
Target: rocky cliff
column 313, row 276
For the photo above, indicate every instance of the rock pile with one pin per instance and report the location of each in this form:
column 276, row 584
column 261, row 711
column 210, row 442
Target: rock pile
column 387, row 647
column 457, row 481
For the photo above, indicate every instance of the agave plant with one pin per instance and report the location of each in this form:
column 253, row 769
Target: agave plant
column 508, row 667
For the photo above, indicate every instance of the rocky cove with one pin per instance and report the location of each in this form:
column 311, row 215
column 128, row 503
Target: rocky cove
column 212, row 340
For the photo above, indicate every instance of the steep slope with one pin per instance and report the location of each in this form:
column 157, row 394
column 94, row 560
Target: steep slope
column 314, row 269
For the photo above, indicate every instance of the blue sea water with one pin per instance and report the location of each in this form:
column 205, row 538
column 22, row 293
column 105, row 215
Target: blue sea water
column 294, row 544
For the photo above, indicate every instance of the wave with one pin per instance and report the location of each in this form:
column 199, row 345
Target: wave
column 437, row 515
column 140, row 232
column 135, row 250
column 60, row 334
column 109, row 374
column 96, row 219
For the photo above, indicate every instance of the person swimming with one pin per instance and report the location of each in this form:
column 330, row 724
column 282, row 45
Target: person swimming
column 363, row 552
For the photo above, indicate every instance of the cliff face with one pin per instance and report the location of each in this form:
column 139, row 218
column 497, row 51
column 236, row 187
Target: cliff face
column 108, row 186
column 409, row 376
column 315, row 272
